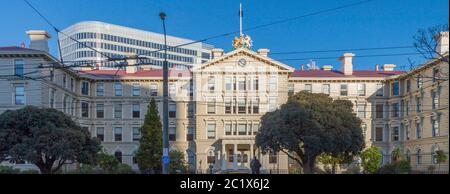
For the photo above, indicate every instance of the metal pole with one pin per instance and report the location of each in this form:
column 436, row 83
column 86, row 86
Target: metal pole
column 165, row 166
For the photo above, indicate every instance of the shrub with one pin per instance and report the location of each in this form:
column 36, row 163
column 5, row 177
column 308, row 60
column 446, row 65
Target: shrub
column 9, row 170
column 30, row 171
column 400, row 167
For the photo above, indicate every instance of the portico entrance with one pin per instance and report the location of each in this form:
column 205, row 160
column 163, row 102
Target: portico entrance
column 236, row 156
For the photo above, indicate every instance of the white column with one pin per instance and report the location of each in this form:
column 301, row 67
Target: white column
column 223, row 157
column 235, row 156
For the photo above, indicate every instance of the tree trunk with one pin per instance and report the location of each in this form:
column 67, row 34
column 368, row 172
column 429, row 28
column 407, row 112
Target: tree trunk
column 309, row 166
column 333, row 168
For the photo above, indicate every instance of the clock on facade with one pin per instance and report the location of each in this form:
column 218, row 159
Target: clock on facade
column 242, row 62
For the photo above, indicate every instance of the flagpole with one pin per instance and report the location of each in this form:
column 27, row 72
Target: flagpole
column 240, row 19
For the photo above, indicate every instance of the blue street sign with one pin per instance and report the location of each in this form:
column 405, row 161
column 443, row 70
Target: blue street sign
column 165, row 159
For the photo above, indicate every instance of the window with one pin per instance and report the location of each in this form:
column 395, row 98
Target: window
column 19, row 94
column 395, row 110
column 190, row 134
column 344, row 90
column 228, row 84
column 419, row 81
column 361, row 89
column 273, row 83
column 136, row 89
column 395, row 134
column 255, row 84
column 272, row 157
column 228, row 106
column 172, row 134
column 418, row 105
column 72, row 84
column 101, row 133
column 52, row 98
column 435, row 100
column 242, row 129
column 435, row 126
column 100, row 111
column 190, row 110
column 118, row 156
column 118, row 111
column 272, row 104
column 153, row 89
column 380, row 91
column 227, row 129
column 255, row 104
column 395, row 88
column 291, row 89
column 18, row 67
column 407, row 132
column 211, row 83
column 326, row 89
column 435, row 74
column 406, row 107
column 172, row 110
column 84, row 109
column 255, row 128
column 211, row 158
column 241, row 106
column 308, row 88
column 136, row 110
column 361, row 108
column 379, row 110
column 100, row 87
column 408, row 85
column 408, row 156
column 117, row 133
column 64, row 84
column 172, row 90
column 211, row 106
column 52, row 75
column 419, row 156
column 241, row 83
column 85, row 88
column 117, row 89
column 418, row 130
column 378, row 134
column 211, row 131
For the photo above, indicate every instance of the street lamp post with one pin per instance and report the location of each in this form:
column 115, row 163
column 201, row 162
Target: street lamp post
column 165, row 165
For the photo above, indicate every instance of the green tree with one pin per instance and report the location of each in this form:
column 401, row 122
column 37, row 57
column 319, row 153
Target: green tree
column 177, row 163
column 396, row 155
column 149, row 153
column 371, row 159
column 45, row 137
column 440, row 158
column 309, row 125
column 332, row 161
column 107, row 162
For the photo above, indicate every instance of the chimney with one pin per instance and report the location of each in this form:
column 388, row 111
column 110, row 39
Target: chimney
column 377, row 67
column 302, row 67
column 388, row 67
column 347, row 65
column 39, row 40
column 442, row 43
column 327, row 67
column 216, row 53
column 263, row 52
column 131, row 64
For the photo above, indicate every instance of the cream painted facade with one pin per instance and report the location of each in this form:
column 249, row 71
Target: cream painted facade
column 215, row 109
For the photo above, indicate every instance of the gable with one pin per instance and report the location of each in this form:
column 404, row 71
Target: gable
column 253, row 61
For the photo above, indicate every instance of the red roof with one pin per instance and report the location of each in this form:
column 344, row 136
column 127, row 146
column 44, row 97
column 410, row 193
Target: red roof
column 142, row 73
column 334, row 73
column 14, row 48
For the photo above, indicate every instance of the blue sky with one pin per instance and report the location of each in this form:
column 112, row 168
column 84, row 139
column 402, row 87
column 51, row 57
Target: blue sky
column 378, row 23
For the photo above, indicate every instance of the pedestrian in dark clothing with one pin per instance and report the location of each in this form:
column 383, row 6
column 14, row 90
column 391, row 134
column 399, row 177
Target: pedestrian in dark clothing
column 255, row 165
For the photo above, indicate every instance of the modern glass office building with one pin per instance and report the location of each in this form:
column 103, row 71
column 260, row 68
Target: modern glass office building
column 118, row 41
